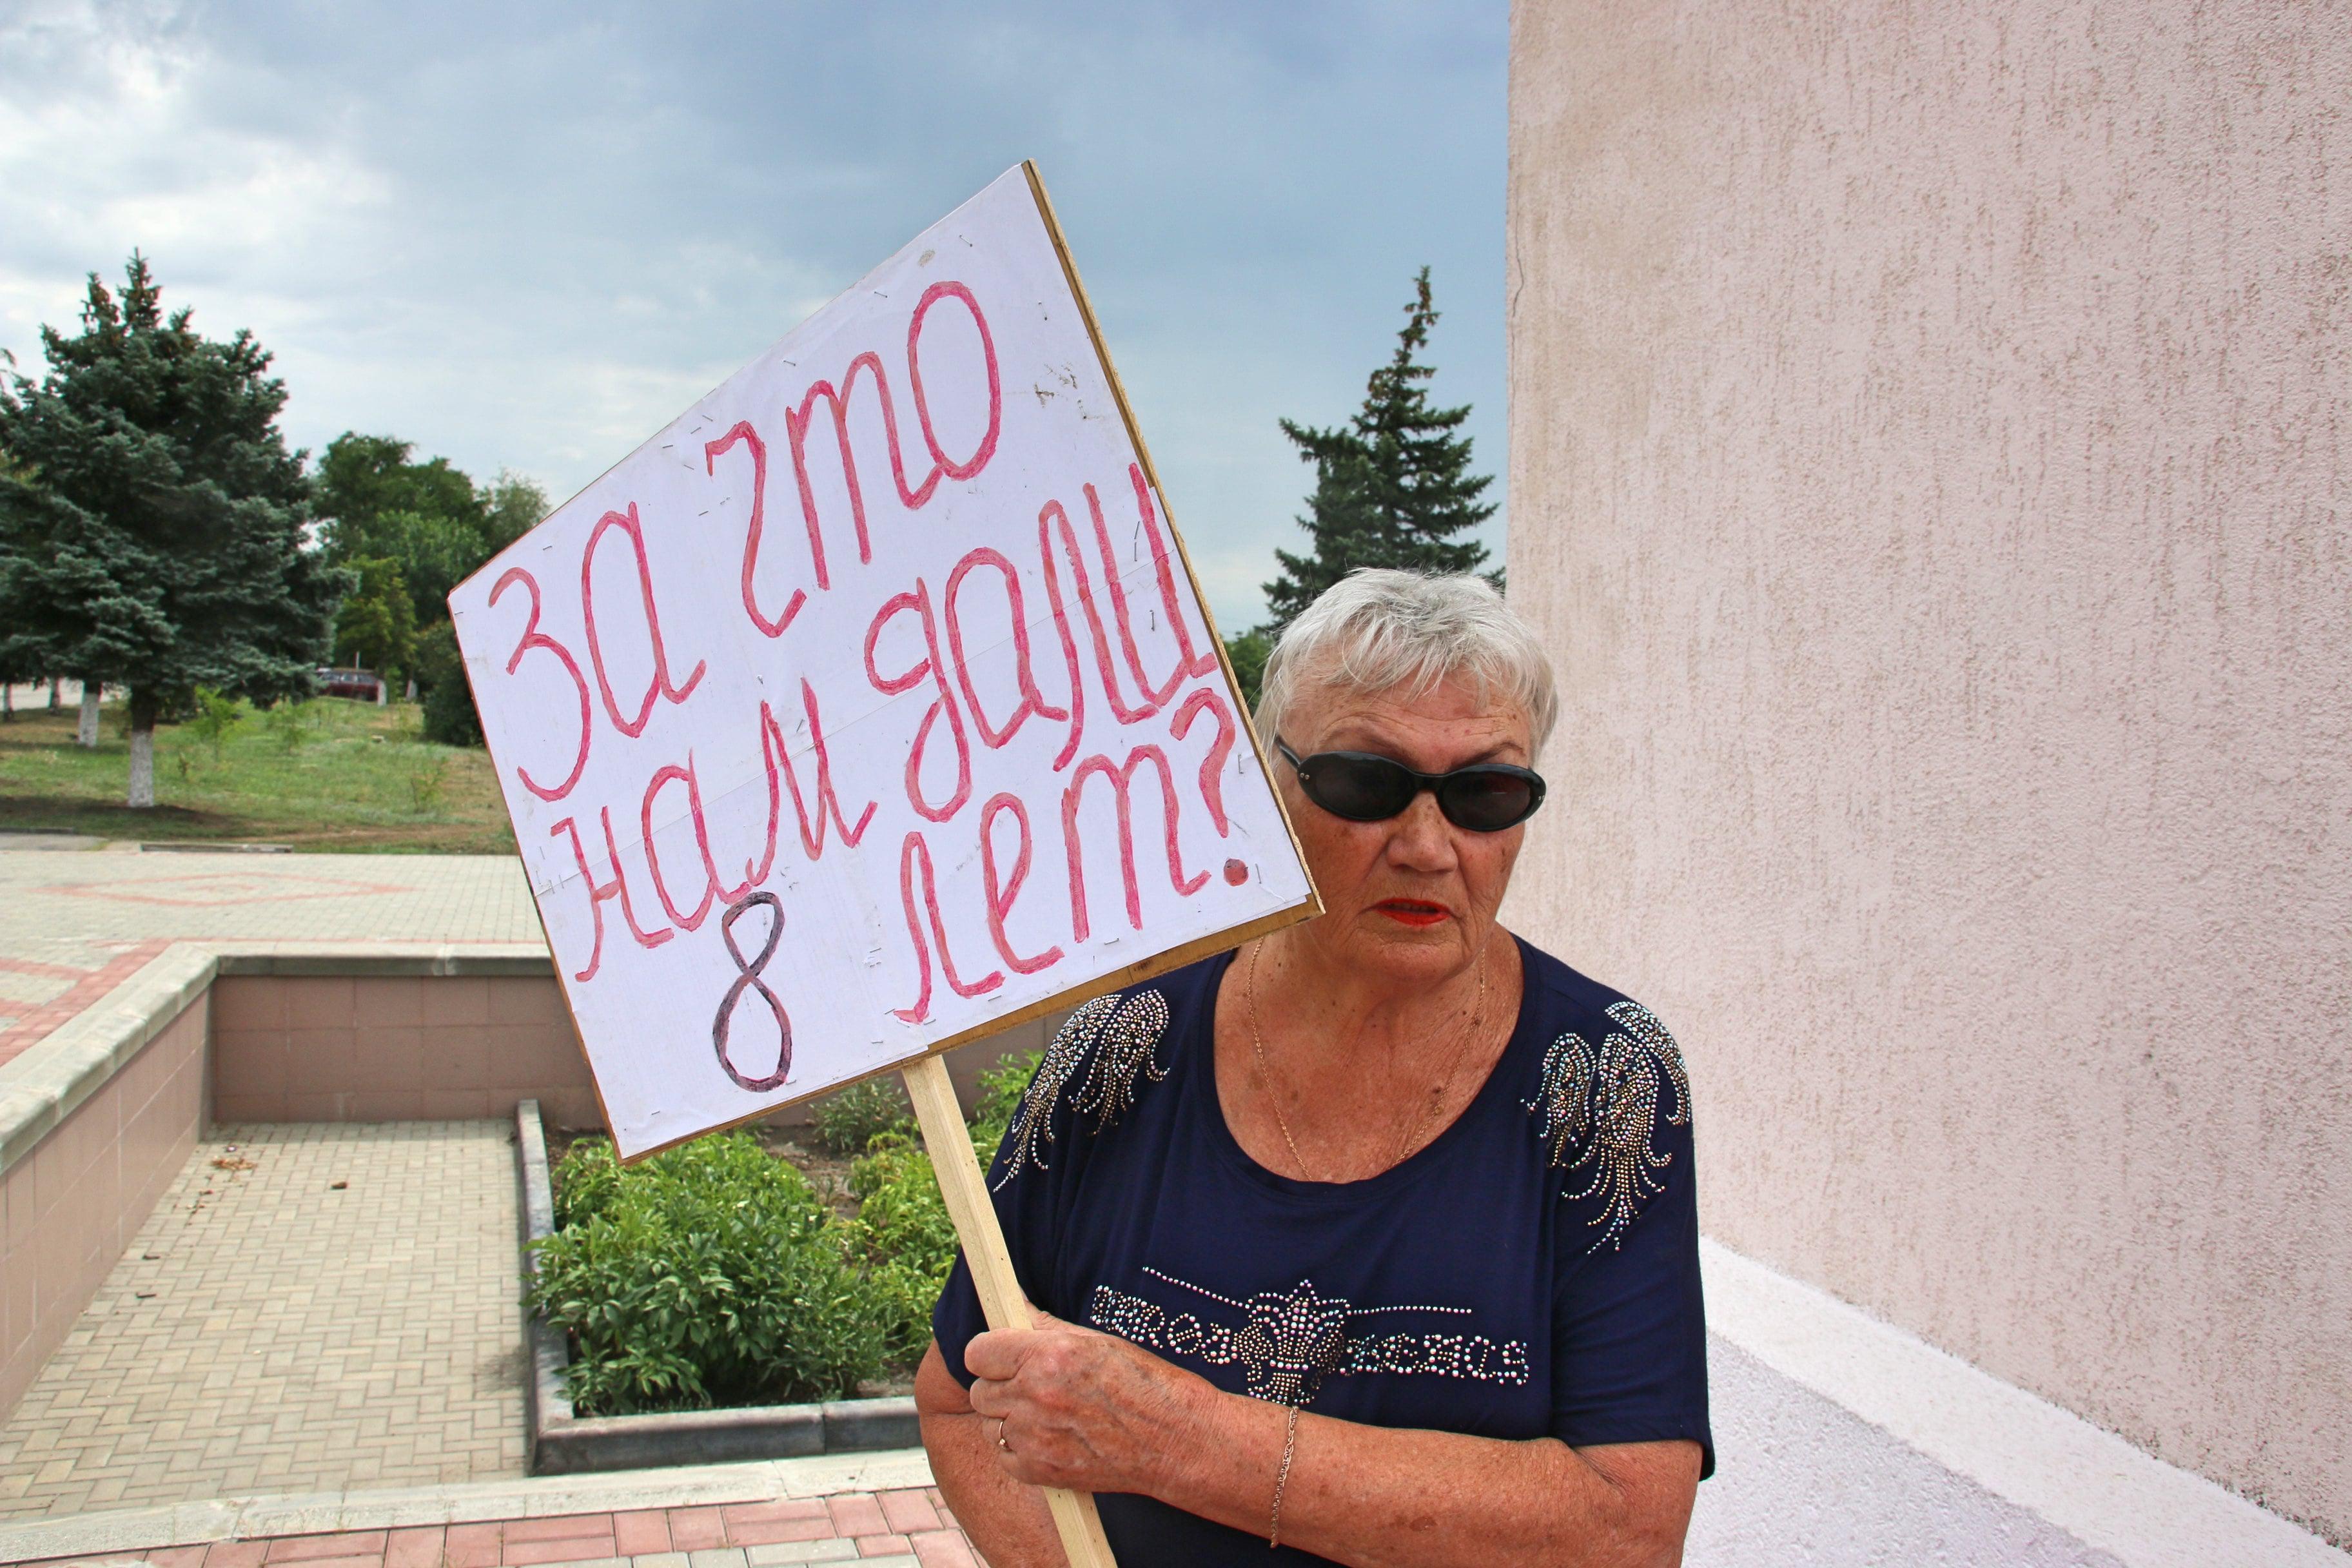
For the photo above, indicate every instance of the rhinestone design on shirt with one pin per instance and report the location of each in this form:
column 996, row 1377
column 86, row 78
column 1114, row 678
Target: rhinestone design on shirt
column 1603, row 1103
column 1116, row 1039
column 1289, row 1341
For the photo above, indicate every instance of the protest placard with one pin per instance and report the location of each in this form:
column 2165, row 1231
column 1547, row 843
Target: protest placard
column 872, row 706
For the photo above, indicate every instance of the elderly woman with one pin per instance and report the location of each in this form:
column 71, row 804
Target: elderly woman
column 1376, row 1238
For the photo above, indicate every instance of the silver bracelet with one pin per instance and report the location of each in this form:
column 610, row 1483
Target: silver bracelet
column 1282, row 1479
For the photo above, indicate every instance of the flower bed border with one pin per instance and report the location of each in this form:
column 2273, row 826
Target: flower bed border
column 563, row 1442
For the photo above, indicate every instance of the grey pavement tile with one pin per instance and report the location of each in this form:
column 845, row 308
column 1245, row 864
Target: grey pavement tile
column 835, row 1550
column 78, row 912
column 282, row 1347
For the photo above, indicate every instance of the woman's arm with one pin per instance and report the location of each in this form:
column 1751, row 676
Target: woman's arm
column 1094, row 1413
column 1372, row 1495
column 1007, row 1520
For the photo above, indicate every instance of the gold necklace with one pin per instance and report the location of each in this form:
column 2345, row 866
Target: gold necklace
column 1412, row 1127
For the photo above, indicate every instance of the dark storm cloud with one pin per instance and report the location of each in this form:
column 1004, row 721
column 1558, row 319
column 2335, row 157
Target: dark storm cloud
column 525, row 236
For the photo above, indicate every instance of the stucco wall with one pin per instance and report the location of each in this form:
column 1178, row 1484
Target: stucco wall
column 1929, row 438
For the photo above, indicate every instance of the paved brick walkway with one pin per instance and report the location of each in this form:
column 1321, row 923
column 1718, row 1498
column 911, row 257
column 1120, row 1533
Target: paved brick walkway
column 270, row 1332
column 36, row 994
column 311, row 1306
column 912, row 1528
column 74, row 924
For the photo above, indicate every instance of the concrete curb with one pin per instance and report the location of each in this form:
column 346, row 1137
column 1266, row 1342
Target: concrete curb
column 392, row 959
column 562, row 1442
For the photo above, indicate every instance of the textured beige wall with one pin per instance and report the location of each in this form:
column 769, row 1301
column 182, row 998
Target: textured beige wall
column 1929, row 435
column 69, row 1207
column 395, row 1049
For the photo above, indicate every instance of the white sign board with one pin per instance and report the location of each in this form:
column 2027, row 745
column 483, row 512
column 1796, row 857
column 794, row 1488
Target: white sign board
column 871, row 704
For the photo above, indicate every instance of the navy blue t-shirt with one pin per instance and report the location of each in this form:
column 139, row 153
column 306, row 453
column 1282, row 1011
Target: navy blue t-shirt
column 1533, row 1272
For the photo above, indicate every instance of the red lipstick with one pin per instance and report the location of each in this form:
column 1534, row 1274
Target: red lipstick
column 1412, row 911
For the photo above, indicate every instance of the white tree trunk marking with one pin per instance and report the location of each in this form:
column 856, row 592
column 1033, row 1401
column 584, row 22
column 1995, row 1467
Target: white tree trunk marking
column 142, row 767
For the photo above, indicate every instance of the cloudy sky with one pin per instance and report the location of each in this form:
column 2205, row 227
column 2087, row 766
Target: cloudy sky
column 525, row 236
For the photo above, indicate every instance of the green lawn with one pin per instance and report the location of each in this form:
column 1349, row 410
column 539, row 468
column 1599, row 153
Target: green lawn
column 326, row 774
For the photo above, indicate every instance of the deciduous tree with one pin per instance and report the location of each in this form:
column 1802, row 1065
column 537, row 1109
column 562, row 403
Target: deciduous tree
column 364, row 482
column 513, row 506
column 377, row 500
column 376, row 627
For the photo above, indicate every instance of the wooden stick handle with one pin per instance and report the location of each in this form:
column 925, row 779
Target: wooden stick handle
column 965, row 1188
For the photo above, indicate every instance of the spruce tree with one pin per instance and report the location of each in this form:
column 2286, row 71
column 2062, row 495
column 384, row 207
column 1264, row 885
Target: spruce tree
column 23, row 656
column 160, row 547
column 1392, row 486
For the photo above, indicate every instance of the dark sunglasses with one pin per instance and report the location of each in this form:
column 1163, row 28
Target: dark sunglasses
column 1485, row 797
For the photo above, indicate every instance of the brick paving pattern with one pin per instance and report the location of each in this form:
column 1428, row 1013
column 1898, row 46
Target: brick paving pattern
column 907, row 1529
column 38, row 995
column 72, row 924
column 340, row 1311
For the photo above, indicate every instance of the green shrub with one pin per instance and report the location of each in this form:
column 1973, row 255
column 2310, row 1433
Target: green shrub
column 903, row 1236
column 588, row 1182
column 845, row 1123
column 449, row 716
column 902, row 1233
column 1001, row 1088
column 714, row 1274
column 216, row 717
column 709, row 1275
column 288, row 724
column 429, row 782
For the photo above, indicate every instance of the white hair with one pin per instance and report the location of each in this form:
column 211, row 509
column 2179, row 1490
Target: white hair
column 1381, row 630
